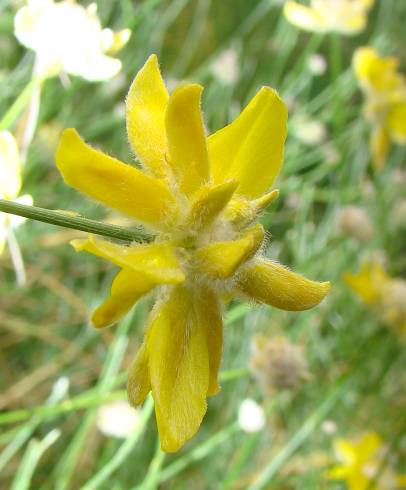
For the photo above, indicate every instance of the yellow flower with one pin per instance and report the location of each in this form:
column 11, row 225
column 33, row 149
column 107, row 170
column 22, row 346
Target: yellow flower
column 385, row 106
column 10, row 183
column 385, row 294
column 201, row 196
column 361, row 462
column 343, row 16
column 47, row 28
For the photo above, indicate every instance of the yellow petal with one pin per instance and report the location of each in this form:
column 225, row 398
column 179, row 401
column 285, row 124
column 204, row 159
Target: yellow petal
column 250, row 149
column 345, row 451
column 271, row 283
column 114, row 183
column 379, row 144
column 157, row 262
column 139, row 384
column 208, row 202
column 305, row 17
column 339, row 472
column 221, row 259
column 178, row 367
column 368, row 283
column 376, row 73
column 127, row 287
column 209, row 312
column 10, row 166
column 396, row 122
column 146, row 105
column 186, row 138
column 367, row 446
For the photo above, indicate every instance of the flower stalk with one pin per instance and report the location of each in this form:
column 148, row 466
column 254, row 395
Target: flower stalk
column 66, row 220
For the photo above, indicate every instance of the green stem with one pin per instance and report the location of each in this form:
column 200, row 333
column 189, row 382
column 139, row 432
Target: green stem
column 60, row 218
column 19, row 104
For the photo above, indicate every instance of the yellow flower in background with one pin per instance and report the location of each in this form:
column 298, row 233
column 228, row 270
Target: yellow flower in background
column 360, row 464
column 385, row 106
column 10, row 184
column 343, row 16
column 385, row 294
column 68, row 37
column 201, row 196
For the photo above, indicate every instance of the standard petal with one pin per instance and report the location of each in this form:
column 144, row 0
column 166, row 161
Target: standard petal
column 208, row 203
column 178, row 368
column 139, row 384
column 127, row 287
column 114, row 183
column 304, row 17
column 187, row 151
column 157, row 262
column 250, row 149
column 146, row 104
column 271, row 283
column 221, row 259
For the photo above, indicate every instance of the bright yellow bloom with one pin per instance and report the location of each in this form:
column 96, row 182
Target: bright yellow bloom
column 343, row 16
column 201, row 195
column 384, row 294
column 68, row 37
column 10, row 183
column 385, row 106
column 361, row 462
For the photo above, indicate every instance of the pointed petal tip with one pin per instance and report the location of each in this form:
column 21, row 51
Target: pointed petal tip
column 78, row 244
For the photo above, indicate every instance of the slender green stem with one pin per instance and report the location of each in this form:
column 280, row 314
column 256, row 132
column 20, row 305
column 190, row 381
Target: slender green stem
column 19, row 104
column 60, row 218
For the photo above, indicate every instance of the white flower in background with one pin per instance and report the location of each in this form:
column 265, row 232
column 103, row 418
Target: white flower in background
column 251, row 416
column 225, row 67
column 67, row 37
column 317, row 64
column 118, row 419
column 10, row 184
column 309, row 131
column 343, row 16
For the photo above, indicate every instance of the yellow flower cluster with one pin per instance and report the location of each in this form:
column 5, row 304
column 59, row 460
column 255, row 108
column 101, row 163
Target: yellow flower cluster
column 385, row 294
column 343, row 16
column 385, row 106
column 361, row 463
column 201, row 196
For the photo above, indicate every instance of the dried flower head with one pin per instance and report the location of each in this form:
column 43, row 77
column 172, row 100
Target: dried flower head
column 201, row 196
column 277, row 364
column 355, row 222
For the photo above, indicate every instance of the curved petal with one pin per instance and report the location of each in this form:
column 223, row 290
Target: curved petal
column 221, row 259
column 178, row 368
column 114, row 183
column 186, row 138
column 369, row 282
column 139, row 383
column 250, row 149
column 271, row 283
column 127, row 287
column 157, row 262
column 145, row 108
column 241, row 212
column 304, row 17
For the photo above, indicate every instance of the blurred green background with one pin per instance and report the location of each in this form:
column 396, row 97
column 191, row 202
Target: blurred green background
column 56, row 371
